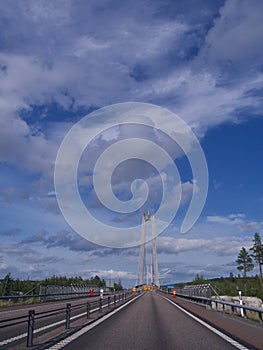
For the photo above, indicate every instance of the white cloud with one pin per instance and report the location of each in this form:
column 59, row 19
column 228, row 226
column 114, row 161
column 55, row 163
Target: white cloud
column 76, row 55
column 252, row 226
column 108, row 59
column 232, row 219
column 235, row 38
column 220, row 245
column 4, row 266
column 87, row 66
column 239, row 221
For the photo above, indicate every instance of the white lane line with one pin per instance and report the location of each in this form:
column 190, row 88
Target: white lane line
column 214, row 330
column 87, row 328
column 23, row 335
column 10, row 340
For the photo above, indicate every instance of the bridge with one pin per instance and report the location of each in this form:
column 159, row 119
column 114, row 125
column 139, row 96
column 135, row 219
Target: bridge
column 145, row 317
column 128, row 320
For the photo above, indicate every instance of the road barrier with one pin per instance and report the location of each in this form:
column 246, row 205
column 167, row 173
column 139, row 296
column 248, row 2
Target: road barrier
column 68, row 312
column 32, row 317
column 243, row 308
column 30, row 328
column 201, row 290
column 232, row 306
column 36, row 298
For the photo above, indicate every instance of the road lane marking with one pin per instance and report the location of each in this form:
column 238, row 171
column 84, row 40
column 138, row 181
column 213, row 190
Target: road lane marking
column 214, row 330
column 87, row 328
column 11, row 340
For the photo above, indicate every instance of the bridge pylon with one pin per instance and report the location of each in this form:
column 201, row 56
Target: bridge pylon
column 155, row 273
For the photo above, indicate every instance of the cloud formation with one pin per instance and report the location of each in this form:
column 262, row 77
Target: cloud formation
column 61, row 59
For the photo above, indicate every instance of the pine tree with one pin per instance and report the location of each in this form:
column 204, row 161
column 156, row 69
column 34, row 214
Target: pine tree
column 244, row 262
column 6, row 285
column 199, row 279
column 257, row 253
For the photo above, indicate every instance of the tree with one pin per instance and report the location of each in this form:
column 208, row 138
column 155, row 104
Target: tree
column 6, row 285
column 199, row 279
column 117, row 286
column 244, row 262
column 97, row 281
column 257, row 253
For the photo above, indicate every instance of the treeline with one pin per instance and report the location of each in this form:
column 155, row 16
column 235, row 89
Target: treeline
column 246, row 261
column 250, row 286
column 11, row 286
column 67, row 281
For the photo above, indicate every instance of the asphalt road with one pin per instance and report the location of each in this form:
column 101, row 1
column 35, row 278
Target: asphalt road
column 21, row 310
column 150, row 322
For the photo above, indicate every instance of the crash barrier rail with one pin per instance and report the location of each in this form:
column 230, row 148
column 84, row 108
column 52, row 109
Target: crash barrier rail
column 201, row 290
column 233, row 306
column 87, row 308
column 33, row 298
column 48, row 290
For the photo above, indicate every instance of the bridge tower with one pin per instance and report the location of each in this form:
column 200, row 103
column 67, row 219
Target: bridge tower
column 155, row 273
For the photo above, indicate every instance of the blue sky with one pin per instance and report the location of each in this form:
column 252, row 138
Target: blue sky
column 62, row 60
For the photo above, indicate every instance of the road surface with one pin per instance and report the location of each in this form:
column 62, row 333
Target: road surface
column 150, row 322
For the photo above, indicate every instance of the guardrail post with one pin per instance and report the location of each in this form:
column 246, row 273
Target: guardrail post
column 100, row 305
column 244, row 313
column 241, row 303
column 108, row 302
column 119, row 297
column 30, row 328
column 68, row 310
column 232, row 309
column 88, row 310
column 260, row 317
column 114, row 299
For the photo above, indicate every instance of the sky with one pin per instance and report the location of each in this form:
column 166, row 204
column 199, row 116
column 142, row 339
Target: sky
column 62, row 60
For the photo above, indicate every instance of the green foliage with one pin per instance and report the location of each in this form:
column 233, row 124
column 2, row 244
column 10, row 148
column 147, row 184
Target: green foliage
column 118, row 286
column 96, row 281
column 257, row 252
column 199, row 279
column 25, row 287
column 5, row 287
column 63, row 280
column 250, row 286
column 9, row 286
column 244, row 261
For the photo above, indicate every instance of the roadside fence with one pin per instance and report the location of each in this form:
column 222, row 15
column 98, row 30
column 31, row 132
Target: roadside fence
column 61, row 315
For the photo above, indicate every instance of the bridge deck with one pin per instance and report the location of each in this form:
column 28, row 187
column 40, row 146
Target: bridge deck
column 152, row 322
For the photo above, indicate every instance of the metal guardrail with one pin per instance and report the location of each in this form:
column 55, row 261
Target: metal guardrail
column 202, row 290
column 46, row 297
column 89, row 307
column 233, row 306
